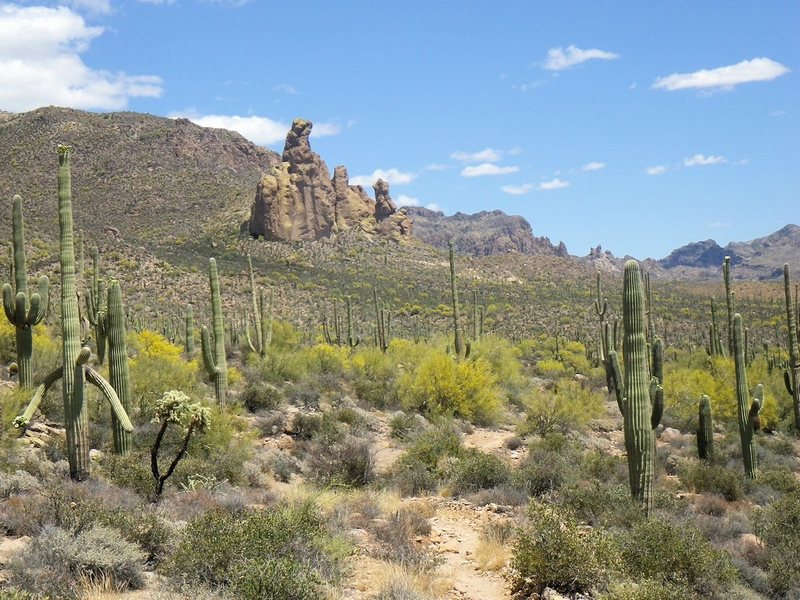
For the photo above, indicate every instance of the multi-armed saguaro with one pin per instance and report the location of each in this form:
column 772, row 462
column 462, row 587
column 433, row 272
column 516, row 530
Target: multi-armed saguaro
column 641, row 397
column 262, row 318
column 74, row 373
column 97, row 307
column 214, row 359
column 23, row 312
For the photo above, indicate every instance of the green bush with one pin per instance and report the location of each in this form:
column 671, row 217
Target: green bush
column 261, row 396
column 442, row 386
column 350, row 463
column 569, row 406
column 676, row 555
column 599, row 504
column 476, row 470
column 553, row 550
column 418, row 469
column 699, row 476
column 374, row 375
column 552, row 462
column 219, row 549
column 58, row 563
column 779, row 527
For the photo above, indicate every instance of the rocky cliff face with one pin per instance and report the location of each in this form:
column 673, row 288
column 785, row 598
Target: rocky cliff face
column 298, row 199
column 482, row 233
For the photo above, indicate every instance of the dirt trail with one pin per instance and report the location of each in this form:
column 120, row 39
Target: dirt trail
column 455, row 534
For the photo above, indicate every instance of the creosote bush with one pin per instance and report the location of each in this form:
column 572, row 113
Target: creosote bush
column 569, row 406
column 778, row 526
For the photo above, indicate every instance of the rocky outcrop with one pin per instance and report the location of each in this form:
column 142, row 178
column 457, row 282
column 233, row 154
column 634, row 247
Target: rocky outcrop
column 298, row 199
column 482, row 233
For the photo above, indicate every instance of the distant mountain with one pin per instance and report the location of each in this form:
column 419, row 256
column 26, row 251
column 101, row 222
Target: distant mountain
column 762, row 258
column 482, row 233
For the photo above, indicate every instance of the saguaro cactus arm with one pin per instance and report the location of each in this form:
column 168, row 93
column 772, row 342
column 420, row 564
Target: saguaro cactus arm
column 41, row 390
column 99, row 381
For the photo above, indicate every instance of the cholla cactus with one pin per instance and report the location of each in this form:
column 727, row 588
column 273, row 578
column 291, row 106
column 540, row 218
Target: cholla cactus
column 175, row 408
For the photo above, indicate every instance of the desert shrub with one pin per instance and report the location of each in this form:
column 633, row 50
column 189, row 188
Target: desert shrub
column 550, row 368
column 441, row 386
column 396, row 536
column 157, row 366
column 283, row 465
column 476, row 470
column 503, row 358
column 130, row 471
column 350, row 462
column 281, row 365
column 261, row 396
column 419, row 469
column 551, row 463
column 778, row 526
column 646, row 589
column 325, row 359
column 569, row 406
column 306, row 425
column 599, row 504
column 777, row 480
column 229, row 549
column 374, row 375
column 699, row 476
column 57, row 563
column 404, row 425
column 270, row 422
column 676, row 555
column 553, row 550
column 19, row 482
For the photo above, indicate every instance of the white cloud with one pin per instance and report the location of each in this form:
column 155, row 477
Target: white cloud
column 403, row 200
column 259, row 130
column 777, row 113
column 747, row 71
column 526, row 87
column 487, row 169
column 700, row 160
column 435, row 167
column 100, row 7
column 487, row 155
column 390, row 176
column 515, row 151
column 656, row 170
column 323, row 129
column 719, row 225
column 554, row 184
column 157, row 1
column 40, row 63
column 517, row 190
column 593, row 166
column 558, row 59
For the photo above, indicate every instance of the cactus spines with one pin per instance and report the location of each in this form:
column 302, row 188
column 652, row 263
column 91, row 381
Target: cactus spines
column 96, row 307
column 214, row 359
column 705, row 430
column 74, row 372
column 189, row 331
column 118, row 373
column 23, row 311
column 748, row 411
column 640, row 397
column 791, row 375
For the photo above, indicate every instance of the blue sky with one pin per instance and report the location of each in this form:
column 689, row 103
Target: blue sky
column 638, row 125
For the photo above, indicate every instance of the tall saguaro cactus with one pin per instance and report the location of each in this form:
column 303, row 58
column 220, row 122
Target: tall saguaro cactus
column 189, row 331
column 640, row 397
column 22, row 311
column 748, row 411
column 726, row 275
column 118, row 372
column 74, row 372
column 460, row 347
column 214, row 358
column 705, row 430
column 791, row 375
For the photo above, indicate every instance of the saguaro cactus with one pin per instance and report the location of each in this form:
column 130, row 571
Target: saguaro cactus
column 791, row 375
column 74, row 372
column 641, row 397
column 352, row 340
column 214, row 358
column 118, row 372
column 726, row 275
column 23, row 312
column 189, row 331
column 96, row 307
column 748, row 411
column 461, row 349
column 705, row 430
column 262, row 318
